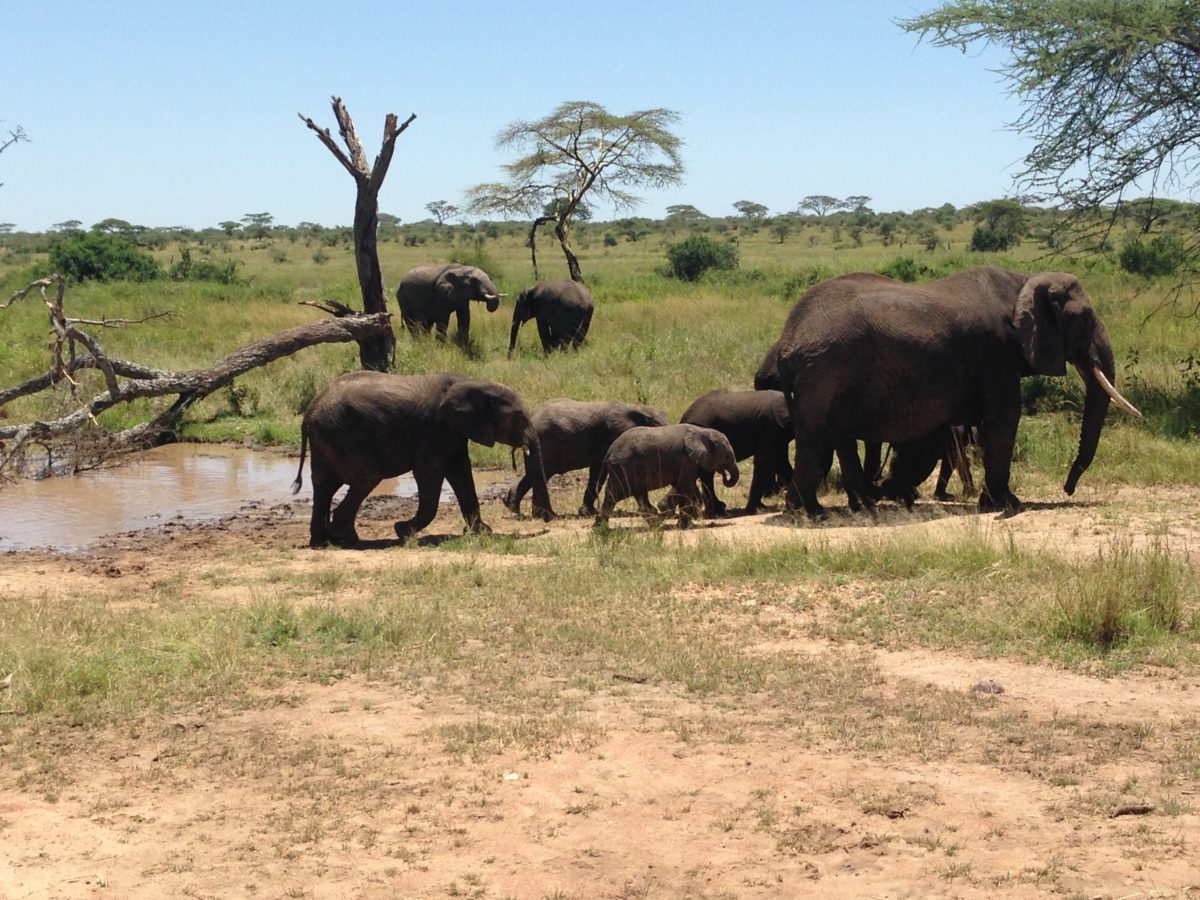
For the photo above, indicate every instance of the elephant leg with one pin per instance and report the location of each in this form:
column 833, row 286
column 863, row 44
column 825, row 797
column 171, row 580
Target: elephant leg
column 943, row 479
column 713, row 506
column 342, row 531
column 588, row 507
column 546, row 333
column 324, row 487
column 999, row 437
column 761, row 482
column 462, row 482
column 689, row 502
column 613, row 494
column 463, row 317
column 581, row 329
column 512, row 500
column 873, row 460
column 807, row 473
column 429, row 489
column 858, row 490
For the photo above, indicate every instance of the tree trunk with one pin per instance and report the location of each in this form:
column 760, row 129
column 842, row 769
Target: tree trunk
column 377, row 352
column 562, row 230
column 532, row 242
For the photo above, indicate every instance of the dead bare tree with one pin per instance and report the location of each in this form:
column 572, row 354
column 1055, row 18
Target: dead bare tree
column 143, row 381
column 379, row 352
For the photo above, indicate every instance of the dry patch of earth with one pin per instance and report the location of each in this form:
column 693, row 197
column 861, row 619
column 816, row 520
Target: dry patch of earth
column 1060, row 784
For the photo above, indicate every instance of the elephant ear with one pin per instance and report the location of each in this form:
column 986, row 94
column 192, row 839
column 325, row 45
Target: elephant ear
column 466, row 411
column 1037, row 318
column 696, row 446
column 451, row 279
column 780, row 414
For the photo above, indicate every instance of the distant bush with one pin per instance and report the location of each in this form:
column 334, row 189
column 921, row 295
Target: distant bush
column 804, row 279
column 693, row 256
column 905, row 268
column 989, row 237
column 1161, row 256
column 223, row 272
column 102, row 257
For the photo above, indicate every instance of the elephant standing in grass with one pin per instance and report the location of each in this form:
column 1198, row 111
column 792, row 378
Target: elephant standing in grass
column 428, row 295
column 576, row 435
column 864, row 357
column 757, row 424
column 368, row 426
column 562, row 309
column 676, row 456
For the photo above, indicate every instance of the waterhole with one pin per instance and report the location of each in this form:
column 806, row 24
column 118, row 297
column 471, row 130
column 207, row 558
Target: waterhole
column 180, row 482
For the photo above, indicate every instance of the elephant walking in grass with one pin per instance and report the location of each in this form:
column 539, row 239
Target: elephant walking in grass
column 864, row 357
column 368, row 426
column 562, row 310
column 676, row 456
column 576, row 435
column 428, row 295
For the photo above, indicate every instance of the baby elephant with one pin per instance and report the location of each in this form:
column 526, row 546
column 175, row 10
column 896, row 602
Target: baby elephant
column 562, row 309
column 757, row 424
column 675, row 456
column 575, row 434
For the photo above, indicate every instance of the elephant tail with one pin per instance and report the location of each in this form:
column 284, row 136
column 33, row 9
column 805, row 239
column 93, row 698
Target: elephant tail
column 296, row 485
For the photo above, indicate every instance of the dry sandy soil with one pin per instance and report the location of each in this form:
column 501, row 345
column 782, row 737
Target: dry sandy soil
column 346, row 790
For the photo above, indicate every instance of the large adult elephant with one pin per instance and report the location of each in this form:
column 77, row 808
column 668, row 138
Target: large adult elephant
column 427, row 296
column 644, row 459
column 757, row 425
column 866, row 357
column 562, row 309
column 367, row 426
column 576, row 434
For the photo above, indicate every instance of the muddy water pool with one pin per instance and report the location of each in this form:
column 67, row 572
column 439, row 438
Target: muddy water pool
column 179, row 482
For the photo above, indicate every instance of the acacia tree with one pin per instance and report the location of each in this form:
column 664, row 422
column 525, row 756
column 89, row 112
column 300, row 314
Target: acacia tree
column 820, row 204
column 580, row 149
column 1111, row 90
column 377, row 352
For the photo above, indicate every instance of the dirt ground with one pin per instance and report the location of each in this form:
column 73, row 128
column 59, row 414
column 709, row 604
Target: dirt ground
column 340, row 790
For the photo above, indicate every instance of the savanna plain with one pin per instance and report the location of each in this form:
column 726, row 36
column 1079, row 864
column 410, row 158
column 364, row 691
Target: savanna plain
column 899, row 704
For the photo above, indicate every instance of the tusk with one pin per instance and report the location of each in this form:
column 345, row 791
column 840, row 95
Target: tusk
column 1114, row 393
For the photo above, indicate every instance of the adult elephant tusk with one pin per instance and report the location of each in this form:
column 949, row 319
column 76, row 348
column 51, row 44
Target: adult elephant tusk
column 1114, row 393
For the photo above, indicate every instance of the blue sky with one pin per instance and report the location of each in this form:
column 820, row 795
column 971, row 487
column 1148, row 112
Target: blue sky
column 185, row 113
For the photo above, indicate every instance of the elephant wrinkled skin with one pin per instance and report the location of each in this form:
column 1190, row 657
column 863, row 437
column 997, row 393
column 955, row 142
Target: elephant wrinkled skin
column 645, row 459
column 367, row 426
column 562, row 310
column 576, row 435
column 428, row 295
column 868, row 358
column 757, row 425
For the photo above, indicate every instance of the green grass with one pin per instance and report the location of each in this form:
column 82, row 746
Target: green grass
column 654, row 339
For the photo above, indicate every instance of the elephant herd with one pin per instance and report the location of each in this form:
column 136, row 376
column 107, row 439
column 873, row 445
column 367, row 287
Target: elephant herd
column 926, row 369
column 429, row 295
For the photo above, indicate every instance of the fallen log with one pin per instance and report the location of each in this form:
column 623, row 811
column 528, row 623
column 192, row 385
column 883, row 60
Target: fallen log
column 144, row 381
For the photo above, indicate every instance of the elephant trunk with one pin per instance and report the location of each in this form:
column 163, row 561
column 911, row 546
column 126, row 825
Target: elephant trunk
column 492, row 301
column 536, row 471
column 512, row 337
column 730, row 475
column 1098, row 375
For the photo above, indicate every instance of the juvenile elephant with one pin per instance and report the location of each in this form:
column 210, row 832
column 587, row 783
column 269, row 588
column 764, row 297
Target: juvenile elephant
column 869, row 358
column 757, row 424
column 576, row 435
column 367, row 426
column 645, row 459
column 427, row 295
column 563, row 310
column 913, row 462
